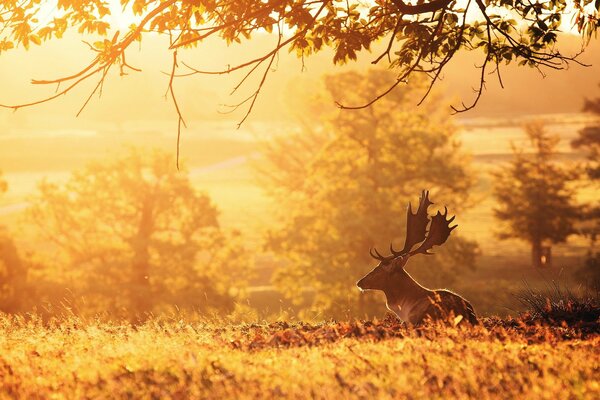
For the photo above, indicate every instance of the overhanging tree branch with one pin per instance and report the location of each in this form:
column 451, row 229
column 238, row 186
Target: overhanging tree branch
column 423, row 8
column 421, row 38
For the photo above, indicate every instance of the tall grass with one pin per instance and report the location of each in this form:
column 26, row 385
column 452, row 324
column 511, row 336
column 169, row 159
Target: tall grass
column 556, row 303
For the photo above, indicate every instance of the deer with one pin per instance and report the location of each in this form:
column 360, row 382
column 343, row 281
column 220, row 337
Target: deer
column 405, row 297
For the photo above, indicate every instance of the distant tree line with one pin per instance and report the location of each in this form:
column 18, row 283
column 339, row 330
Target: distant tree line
column 132, row 236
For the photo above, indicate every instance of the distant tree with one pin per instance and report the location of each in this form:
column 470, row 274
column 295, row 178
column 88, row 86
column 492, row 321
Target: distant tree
column 588, row 141
column 13, row 275
column 342, row 184
column 536, row 202
column 136, row 234
column 418, row 38
column 13, row 271
column 3, row 184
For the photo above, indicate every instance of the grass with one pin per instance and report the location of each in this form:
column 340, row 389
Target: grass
column 177, row 359
column 558, row 303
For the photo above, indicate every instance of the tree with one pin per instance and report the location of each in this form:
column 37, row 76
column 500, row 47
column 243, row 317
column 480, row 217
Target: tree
column 343, row 187
column 588, row 141
column 13, row 272
column 136, row 234
column 421, row 38
column 3, row 184
column 13, row 275
column 536, row 202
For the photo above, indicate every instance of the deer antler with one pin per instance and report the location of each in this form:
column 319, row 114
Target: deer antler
column 438, row 232
column 416, row 224
column 416, row 231
column 416, row 228
column 378, row 256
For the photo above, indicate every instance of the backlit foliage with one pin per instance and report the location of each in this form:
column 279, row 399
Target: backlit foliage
column 588, row 141
column 3, row 184
column 138, row 236
column 343, row 187
column 536, row 197
column 13, row 271
column 13, row 275
column 419, row 37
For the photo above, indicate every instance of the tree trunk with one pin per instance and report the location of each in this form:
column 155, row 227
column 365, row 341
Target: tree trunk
column 141, row 300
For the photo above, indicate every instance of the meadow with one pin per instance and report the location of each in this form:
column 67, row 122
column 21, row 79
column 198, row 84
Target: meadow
column 116, row 303
column 178, row 355
column 183, row 358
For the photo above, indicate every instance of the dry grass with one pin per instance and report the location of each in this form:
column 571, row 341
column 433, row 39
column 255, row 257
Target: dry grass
column 558, row 303
column 515, row 358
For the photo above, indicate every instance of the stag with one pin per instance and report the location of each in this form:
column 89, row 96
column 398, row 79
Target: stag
column 405, row 297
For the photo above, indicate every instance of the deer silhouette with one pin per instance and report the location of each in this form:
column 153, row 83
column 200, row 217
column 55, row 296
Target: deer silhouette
column 405, row 297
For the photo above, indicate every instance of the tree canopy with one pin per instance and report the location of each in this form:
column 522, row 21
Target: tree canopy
column 342, row 186
column 3, row 184
column 536, row 197
column 421, row 37
column 137, row 235
column 13, row 271
column 588, row 141
column 13, row 275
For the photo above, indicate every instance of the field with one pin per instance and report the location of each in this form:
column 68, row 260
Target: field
column 174, row 359
column 67, row 340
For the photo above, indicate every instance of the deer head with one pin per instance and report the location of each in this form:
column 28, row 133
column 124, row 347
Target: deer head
column 416, row 232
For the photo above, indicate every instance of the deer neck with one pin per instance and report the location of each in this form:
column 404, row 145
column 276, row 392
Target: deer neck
column 404, row 289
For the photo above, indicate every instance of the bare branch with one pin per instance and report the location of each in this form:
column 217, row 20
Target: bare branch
column 170, row 89
column 390, row 44
column 118, row 51
column 262, row 81
column 98, row 86
column 479, row 91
